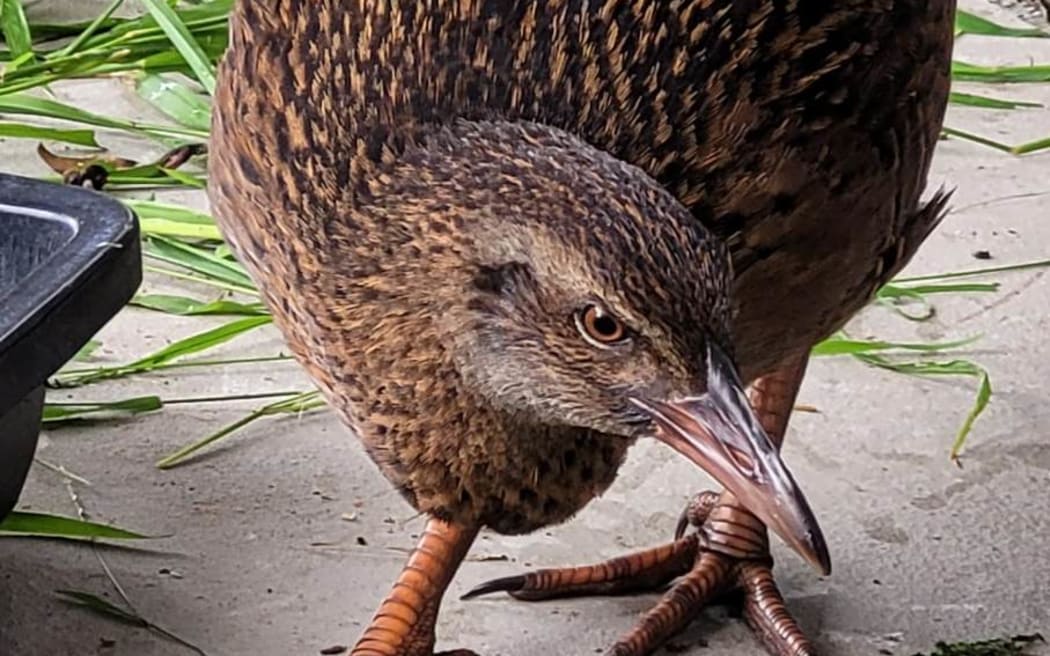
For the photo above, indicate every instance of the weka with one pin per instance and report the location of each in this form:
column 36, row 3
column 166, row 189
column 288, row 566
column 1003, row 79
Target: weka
column 507, row 239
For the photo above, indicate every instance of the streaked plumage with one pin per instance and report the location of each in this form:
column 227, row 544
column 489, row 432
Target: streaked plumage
column 389, row 172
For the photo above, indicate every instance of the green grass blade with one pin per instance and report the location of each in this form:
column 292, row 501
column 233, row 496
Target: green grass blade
column 895, row 291
column 129, row 616
column 966, row 72
column 951, row 368
column 102, row 607
column 975, row 100
column 194, row 344
column 198, row 260
column 63, row 413
column 186, row 306
column 187, row 179
column 159, row 226
column 150, row 176
column 231, row 397
column 900, row 304
column 297, row 404
column 164, row 219
column 44, row 33
column 967, row 23
column 969, row 136
column 176, row 100
column 1031, row 147
column 925, row 367
column 24, row 104
column 984, row 395
column 183, row 41
column 94, row 26
column 203, row 280
column 179, row 457
column 84, row 138
column 15, row 28
column 840, row 345
column 24, row 524
column 216, row 362
column 900, row 297
column 87, row 350
column 202, row 341
column 1022, row 266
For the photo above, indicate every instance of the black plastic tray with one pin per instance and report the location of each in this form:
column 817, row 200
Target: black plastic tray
column 69, row 261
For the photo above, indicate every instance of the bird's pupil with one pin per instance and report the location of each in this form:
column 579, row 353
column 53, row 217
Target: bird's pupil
column 606, row 326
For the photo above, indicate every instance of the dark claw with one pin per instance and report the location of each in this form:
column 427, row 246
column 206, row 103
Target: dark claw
column 506, row 584
column 683, row 523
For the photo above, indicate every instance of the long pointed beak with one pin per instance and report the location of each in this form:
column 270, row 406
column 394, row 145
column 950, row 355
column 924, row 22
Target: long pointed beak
column 720, row 432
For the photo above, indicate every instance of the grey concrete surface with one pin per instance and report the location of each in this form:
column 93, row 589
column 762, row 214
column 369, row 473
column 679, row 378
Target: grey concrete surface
column 283, row 539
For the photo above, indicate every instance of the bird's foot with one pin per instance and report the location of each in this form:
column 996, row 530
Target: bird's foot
column 728, row 553
column 641, row 571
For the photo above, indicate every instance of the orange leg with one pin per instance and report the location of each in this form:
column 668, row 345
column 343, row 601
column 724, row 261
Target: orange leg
column 404, row 623
column 728, row 552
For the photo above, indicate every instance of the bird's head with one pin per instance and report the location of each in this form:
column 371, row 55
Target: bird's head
column 585, row 295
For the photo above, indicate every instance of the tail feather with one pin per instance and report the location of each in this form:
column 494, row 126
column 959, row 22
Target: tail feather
column 916, row 230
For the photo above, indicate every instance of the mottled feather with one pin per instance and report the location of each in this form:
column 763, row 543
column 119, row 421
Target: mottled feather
column 798, row 133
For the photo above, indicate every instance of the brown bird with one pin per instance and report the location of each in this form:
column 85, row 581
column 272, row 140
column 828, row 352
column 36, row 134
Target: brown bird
column 507, row 239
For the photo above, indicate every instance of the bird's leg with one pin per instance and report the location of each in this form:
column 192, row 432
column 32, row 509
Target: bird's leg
column 404, row 623
column 728, row 553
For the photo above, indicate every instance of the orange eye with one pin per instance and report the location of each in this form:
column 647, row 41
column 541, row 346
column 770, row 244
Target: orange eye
column 600, row 328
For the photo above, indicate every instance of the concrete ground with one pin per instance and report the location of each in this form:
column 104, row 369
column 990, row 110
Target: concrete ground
column 284, row 538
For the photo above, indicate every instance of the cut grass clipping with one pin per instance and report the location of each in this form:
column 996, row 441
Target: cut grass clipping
column 169, row 55
column 26, row 524
column 129, row 616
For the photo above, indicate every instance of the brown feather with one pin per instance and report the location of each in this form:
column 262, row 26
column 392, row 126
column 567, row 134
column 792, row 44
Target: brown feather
column 371, row 159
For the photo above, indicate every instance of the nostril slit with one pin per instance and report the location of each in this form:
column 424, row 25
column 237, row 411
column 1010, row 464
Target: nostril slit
column 742, row 460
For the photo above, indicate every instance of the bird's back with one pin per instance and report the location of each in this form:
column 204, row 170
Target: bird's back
column 799, row 132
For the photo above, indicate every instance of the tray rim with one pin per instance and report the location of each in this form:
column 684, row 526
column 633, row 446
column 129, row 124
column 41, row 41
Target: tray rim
column 107, row 238
column 100, row 222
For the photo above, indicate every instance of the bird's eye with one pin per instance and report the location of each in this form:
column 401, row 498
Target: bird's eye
column 600, row 328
